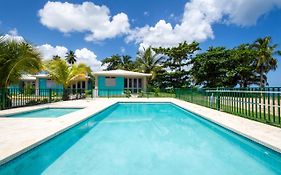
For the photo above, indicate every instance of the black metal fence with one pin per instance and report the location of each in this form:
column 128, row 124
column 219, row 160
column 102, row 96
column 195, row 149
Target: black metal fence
column 140, row 93
column 17, row 97
column 261, row 104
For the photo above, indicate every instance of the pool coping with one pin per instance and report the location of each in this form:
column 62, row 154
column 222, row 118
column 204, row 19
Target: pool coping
column 65, row 122
column 11, row 114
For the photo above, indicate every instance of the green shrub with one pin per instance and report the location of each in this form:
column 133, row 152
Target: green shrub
column 141, row 94
column 128, row 93
column 32, row 102
column 156, row 92
column 29, row 89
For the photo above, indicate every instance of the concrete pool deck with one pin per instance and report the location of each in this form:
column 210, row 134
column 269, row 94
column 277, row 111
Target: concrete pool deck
column 18, row 135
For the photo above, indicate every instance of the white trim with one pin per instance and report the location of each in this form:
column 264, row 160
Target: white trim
column 121, row 73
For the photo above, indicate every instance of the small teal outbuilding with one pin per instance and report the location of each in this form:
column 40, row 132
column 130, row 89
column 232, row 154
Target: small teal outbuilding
column 118, row 81
column 43, row 84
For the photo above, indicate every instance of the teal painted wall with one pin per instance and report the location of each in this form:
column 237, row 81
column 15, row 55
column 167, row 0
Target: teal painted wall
column 42, row 87
column 16, row 87
column 104, row 90
column 44, row 90
column 42, row 83
column 58, row 86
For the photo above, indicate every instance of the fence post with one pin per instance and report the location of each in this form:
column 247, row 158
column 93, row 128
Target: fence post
column 50, row 95
column 3, row 98
column 191, row 95
column 218, row 100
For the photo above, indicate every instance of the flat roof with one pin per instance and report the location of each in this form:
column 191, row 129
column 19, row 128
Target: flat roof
column 119, row 72
column 42, row 75
column 28, row 77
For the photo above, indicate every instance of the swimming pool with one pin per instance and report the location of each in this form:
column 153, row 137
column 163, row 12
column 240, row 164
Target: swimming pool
column 45, row 113
column 146, row 138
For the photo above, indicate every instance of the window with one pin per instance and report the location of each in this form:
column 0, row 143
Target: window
column 78, row 85
column 50, row 84
column 140, row 83
column 110, row 81
column 135, row 82
column 130, row 83
column 83, row 84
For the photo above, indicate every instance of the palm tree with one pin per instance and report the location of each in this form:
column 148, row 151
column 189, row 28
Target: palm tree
column 265, row 61
column 112, row 63
column 118, row 62
column 148, row 62
column 63, row 74
column 126, row 63
column 71, row 57
column 17, row 58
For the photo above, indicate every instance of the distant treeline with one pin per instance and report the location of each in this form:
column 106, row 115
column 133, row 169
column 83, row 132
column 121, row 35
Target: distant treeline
column 185, row 66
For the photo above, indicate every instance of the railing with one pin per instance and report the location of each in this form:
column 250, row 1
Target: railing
column 261, row 104
column 17, row 97
column 126, row 93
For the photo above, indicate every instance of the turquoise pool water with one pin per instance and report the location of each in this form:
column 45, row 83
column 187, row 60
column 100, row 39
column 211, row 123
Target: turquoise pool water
column 147, row 139
column 45, row 113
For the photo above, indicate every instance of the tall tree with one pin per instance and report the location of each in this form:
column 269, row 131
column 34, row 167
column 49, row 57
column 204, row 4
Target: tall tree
column 213, row 68
column 63, row 74
column 178, row 59
column 148, row 62
column 17, row 58
column 112, row 63
column 243, row 65
column 126, row 63
column 118, row 62
column 265, row 60
column 71, row 57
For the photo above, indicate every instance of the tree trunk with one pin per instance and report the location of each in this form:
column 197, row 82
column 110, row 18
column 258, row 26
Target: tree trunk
column 261, row 77
column 65, row 94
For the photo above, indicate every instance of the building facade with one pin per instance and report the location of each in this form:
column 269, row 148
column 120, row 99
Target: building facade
column 117, row 82
column 42, row 83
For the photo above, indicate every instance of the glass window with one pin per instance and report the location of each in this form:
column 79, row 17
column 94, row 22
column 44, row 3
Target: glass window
column 50, row 84
column 83, row 84
column 140, row 83
column 110, row 81
column 135, row 82
column 130, row 83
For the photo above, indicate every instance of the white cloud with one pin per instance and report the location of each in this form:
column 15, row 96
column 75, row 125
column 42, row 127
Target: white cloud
column 12, row 35
column 47, row 51
column 83, row 55
column 198, row 18
column 122, row 49
column 87, row 56
column 86, row 17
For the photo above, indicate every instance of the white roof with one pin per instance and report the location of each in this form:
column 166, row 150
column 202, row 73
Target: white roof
column 42, row 75
column 119, row 72
column 28, row 77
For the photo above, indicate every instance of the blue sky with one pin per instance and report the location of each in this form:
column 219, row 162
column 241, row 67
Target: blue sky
column 100, row 28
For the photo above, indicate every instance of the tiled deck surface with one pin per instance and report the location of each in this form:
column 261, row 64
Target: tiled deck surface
column 18, row 135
